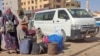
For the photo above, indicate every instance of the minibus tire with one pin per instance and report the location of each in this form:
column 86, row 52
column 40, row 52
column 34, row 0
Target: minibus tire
column 64, row 35
column 97, row 30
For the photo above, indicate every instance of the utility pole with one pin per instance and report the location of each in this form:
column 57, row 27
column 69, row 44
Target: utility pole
column 87, row 5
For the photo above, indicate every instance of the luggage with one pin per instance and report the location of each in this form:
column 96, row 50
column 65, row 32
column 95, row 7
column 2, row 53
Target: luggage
column 25, row 46
column 39, row 48
column 52, row 48
column 57, row 39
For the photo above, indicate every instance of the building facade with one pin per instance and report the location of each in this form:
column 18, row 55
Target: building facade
column 13, row 4
column 72, row 4
column 29, row 5
column 96, row 13
column 41, row 4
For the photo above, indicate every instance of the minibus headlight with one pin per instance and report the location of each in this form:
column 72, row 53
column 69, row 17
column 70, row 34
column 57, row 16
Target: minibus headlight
column 76, row 27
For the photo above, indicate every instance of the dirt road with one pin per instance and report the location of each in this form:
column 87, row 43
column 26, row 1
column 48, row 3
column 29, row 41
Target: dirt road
column 89, row 47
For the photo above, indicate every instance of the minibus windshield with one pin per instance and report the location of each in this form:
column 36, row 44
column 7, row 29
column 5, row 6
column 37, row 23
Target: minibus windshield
column 79, row 13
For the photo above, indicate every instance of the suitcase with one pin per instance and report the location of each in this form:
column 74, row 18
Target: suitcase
column 25, row 46
column 35, row 49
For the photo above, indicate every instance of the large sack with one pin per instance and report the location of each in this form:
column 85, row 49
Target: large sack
column 57, row 39
column 25, row 45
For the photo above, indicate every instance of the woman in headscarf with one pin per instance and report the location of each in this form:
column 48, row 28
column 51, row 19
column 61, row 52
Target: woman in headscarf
column 10, row 23
column 23, row 21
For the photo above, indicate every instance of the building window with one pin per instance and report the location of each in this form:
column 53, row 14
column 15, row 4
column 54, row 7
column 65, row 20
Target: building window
column 58, row 6
column 21, row 3
column 78, row 5
column 6, row 3
column 35, row 1
column 67, row 4
column 28, row 2
column 36, row 7
column 24, row 3
column 28, row 8
column 58, row 0
column 40, row 6
column 46, row 5
column 32, row 7
column 72, row 4
column 2, row 3
column 32, row 1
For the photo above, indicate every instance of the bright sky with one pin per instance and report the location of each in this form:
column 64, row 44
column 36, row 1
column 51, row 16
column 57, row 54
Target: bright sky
column 94, row 4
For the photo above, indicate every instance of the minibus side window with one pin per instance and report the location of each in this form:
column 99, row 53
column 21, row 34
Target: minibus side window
column 49, row 15
column 45, row 16
column 62, row 14
column 39, row 16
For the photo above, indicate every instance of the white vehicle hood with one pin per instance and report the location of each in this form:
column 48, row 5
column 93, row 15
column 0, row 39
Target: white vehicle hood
column 83, row 21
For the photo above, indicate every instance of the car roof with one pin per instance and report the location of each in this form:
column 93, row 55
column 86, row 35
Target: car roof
column 46, row 10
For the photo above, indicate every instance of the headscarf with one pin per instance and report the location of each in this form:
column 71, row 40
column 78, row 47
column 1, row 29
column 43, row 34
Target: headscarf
column 7, row 11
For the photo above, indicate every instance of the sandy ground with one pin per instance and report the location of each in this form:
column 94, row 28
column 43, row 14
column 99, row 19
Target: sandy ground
column 89, row 47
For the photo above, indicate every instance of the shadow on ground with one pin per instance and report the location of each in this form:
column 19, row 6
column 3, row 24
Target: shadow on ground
column 87, row 40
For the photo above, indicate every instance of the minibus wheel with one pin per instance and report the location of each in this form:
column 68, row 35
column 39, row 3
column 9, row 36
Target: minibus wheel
column 64, row 36
column 96, row 32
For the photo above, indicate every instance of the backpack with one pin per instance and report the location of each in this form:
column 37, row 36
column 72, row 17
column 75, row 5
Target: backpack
column 9, row 24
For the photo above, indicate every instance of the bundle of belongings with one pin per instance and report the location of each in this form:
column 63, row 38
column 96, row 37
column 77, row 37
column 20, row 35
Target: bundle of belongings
column 51, row 44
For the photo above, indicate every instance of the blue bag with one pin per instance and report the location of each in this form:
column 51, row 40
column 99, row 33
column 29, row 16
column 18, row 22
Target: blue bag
column 58, row 39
